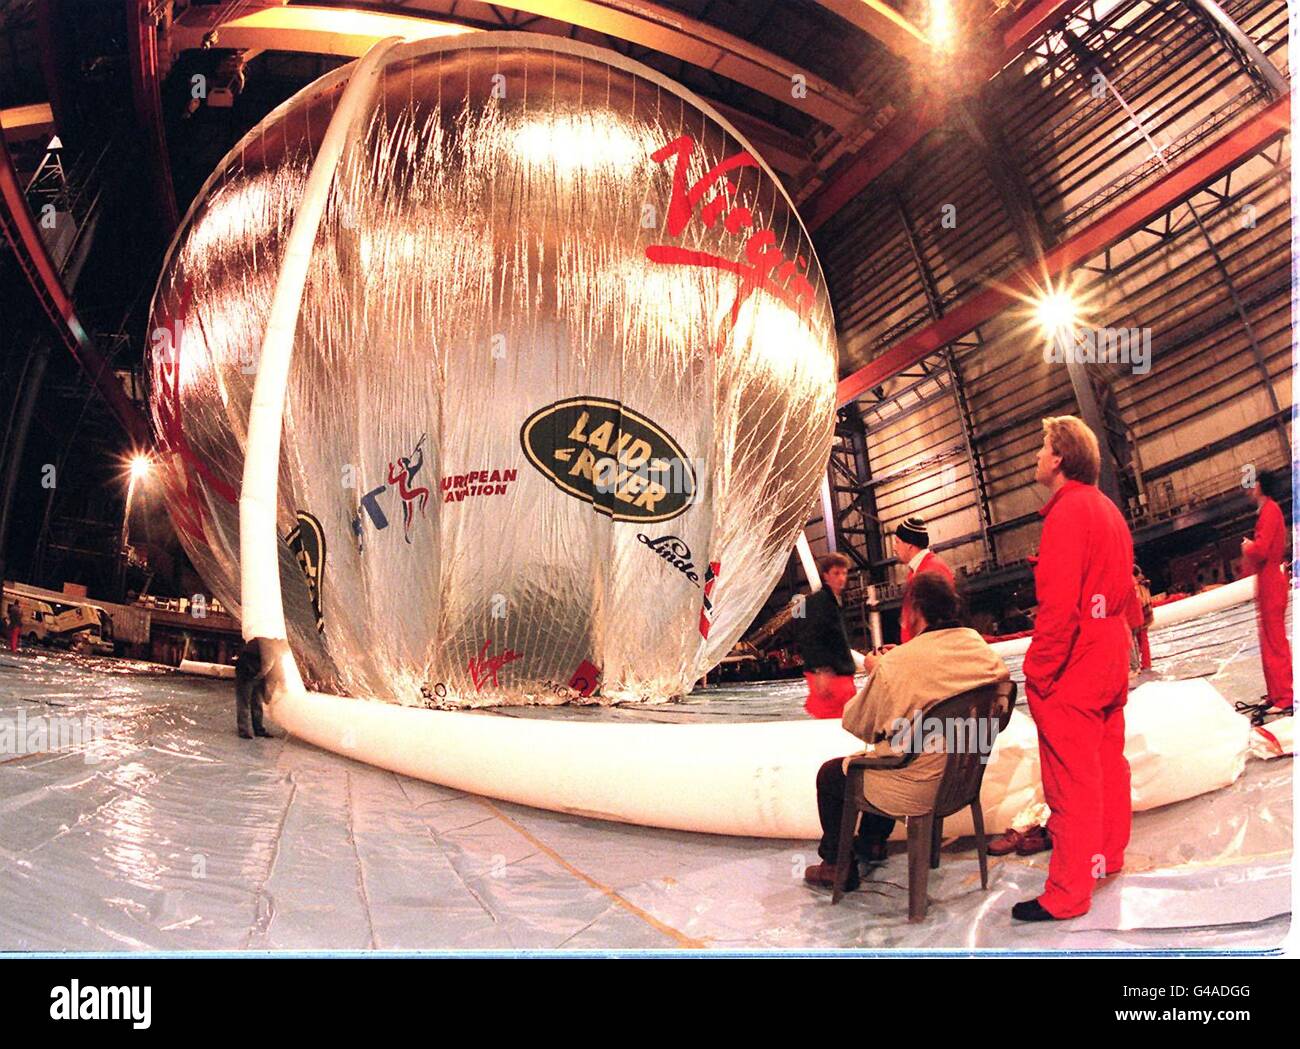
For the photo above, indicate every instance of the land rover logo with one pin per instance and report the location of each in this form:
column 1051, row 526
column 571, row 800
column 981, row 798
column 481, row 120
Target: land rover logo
column 307, row 541
column 605, row 454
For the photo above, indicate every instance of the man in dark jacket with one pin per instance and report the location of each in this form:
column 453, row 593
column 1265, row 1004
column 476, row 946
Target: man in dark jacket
column 824, row 644
column 250, row 691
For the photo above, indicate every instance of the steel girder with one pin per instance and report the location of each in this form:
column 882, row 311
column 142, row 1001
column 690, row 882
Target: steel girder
column 1225, row 152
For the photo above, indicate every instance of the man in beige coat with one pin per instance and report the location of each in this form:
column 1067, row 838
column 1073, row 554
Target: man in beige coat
column 942, row 659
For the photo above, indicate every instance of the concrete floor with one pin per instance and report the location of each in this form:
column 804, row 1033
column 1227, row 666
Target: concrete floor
column 170, row 833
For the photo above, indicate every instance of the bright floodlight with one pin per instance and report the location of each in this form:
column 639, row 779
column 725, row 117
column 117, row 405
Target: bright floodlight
column 139, row 467
column 1057, row 313
column 942, row 26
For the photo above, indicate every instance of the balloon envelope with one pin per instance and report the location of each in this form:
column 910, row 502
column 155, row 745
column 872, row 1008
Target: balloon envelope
column 562, row 386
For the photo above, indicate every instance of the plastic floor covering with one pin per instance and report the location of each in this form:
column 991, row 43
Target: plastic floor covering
column 170, row 833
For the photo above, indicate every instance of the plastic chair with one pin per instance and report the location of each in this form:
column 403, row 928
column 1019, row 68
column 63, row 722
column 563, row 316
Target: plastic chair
column 960, row 786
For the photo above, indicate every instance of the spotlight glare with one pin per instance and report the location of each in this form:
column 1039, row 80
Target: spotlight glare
column 1057, row 312
column 139, row 467
column 942, row 26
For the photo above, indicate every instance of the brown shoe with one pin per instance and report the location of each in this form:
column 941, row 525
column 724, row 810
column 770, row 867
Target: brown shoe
column 1005, row 844
column 1035, row 839
column 822, row 876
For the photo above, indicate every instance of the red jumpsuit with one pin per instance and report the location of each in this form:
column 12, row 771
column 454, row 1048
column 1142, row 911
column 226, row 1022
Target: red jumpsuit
column 1137, row 632
column 1144, row 647
column 1263, row 557
column 1076, row 678
column 929, row 563
column 831, row 701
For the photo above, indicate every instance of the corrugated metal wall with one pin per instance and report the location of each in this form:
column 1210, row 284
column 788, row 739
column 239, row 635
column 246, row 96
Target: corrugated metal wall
column 1077, row 152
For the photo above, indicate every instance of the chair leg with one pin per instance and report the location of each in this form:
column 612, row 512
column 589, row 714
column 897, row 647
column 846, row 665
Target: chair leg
column 848, row 827
column 918, row 865
column 936, row 839
column 981, row 846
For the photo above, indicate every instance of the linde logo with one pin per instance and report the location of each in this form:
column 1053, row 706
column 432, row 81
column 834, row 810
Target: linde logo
column 476, row 482
column 102, row 1003
column 606, row 454
column 674, row 551
column 1131, row 346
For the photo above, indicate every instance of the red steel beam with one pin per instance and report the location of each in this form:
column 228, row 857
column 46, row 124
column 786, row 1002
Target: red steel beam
column 908, row 128
column 1032, row 21
column 142, row 45
column 30, row 251
column 881, row 152
column 1029, row 279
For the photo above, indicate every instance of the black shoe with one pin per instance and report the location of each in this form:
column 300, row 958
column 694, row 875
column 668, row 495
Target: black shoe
column 1254, row 711
column 871, row 852
column 262, row 732
column 1032, row 911
column 245, row 735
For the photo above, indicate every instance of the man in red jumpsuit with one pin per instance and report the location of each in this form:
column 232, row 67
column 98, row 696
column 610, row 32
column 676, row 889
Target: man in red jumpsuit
column 1076, row 672
column 912, row 548
column 1263, row 557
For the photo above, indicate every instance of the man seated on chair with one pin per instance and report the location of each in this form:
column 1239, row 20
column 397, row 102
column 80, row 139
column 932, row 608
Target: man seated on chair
column 942, row 659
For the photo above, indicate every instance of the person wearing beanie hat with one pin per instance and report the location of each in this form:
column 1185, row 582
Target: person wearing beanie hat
column 914, row 533
column 912, row 548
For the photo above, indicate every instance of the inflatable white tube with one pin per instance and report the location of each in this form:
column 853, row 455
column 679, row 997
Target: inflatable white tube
column 1167, row 615
column 809, row 562
column 191, row 666
column 262, row 609
column 755, row 780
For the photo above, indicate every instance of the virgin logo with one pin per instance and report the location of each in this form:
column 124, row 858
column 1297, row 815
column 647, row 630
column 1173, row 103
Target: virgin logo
column 763, row 265
column 183, row 486
column 485, row 667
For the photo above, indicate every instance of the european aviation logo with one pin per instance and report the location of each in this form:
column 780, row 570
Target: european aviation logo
column 75, row 1002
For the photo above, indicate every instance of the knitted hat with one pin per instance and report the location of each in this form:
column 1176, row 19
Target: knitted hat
column 913, row 531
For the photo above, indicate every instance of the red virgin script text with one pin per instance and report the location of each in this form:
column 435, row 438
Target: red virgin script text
column 483, row 668
column 184, row 466
column 764, row 266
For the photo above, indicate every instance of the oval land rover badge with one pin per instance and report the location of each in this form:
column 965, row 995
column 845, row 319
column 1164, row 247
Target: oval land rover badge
column 606, row 454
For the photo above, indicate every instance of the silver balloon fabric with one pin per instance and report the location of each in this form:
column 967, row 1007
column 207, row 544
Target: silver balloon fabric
column 562, row 390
